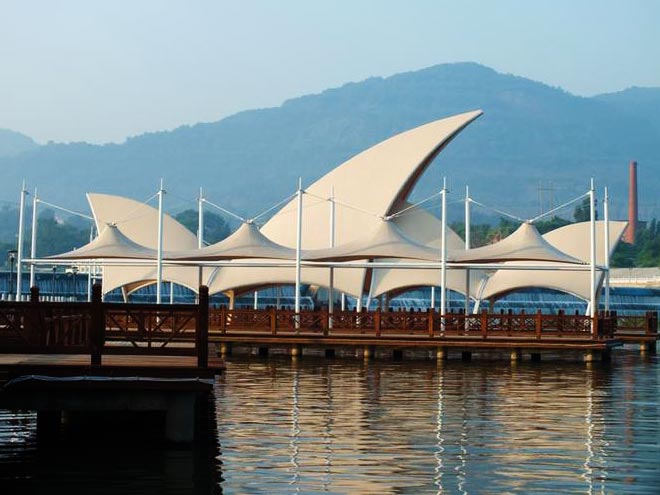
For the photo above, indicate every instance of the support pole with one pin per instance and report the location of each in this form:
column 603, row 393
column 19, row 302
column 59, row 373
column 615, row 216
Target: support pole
column 33, row 243
column 593, row 310
column 443, row 256
column 200, row 233
column 90, row 282
column 298, row 251
column 433, row 297
column 159, row 261
column 331, row 282
column 19, row 248
column 256, row 300
column 467, row 246
column 606, row 219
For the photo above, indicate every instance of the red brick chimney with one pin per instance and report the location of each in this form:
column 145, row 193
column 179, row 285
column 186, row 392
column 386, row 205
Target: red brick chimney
column 631, row 231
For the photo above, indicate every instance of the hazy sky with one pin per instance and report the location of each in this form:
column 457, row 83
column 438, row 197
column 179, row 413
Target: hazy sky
column 101, row 71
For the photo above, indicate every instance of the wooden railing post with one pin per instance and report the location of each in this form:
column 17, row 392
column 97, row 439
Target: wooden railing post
column 538, row 324
column 377, row 322
column 484, row 323
column 594, row 325
column 33, row 330
column 651, row 323
column 273, row 321
column 97, row 326
column 223, row 319
column 430, row 312
column 202, row 328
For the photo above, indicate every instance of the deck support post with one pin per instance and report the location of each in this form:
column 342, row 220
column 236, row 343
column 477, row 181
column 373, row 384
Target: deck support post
column 330, row 353
column 536, row 357
column 441, row 354
column 225, row 349
column 368, row 351
column 263, row 352
column 48, row 424
column 97, row 326
column 466, row 356
column 296, row 350
column 516, row 355
column 202, row 330
column 590, row 356
column 180, row 418
column 397, row 355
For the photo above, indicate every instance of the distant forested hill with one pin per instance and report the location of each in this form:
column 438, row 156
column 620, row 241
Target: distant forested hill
column 530, row 134
column 13, row 143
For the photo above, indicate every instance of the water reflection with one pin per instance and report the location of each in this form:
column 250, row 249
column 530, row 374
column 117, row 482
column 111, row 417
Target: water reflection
column 122, row 461
column 415, row 427
column 349, row 426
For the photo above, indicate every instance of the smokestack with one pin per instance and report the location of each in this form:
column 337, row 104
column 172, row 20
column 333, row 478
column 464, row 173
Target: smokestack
column 631, row 231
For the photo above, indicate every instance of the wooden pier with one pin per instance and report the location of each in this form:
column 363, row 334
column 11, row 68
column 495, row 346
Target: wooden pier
column 88, row 357
column 61, row 358
column 456, row 332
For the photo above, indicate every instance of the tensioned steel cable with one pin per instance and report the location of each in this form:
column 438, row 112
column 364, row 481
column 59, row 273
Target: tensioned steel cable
column 129, row 215
column 224, row 210
column 72, row 212
column 560, row 207
column 265, row 212
column 416, row 205
column 496, row 210
column 347, row 205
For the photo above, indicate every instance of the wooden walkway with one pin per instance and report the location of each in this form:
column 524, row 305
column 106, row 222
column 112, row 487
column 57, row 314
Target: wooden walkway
column 163, row 337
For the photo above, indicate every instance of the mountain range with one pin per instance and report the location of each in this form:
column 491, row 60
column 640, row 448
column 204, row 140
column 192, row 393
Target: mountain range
column 535, row 146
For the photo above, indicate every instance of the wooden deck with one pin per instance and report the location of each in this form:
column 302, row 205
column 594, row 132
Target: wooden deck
column 117, row 337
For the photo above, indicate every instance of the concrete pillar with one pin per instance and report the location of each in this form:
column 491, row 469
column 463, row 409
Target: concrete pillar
column 368, row 352
column 180, row 418
column 648, row 347
column 330, row 353
column 296, row 350
column 48, row 425
column 516, row 355
column 225, row 349
column 536, row 356
column 441, row 354
column 397, row 355
column 263, row 352
column 590, row 356
column 466, row 356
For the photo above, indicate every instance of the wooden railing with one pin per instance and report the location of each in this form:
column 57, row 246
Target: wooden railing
column 99, row 327
column 105, row 328
column 428, row 324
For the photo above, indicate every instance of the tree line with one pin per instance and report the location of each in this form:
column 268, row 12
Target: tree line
column 60, row 234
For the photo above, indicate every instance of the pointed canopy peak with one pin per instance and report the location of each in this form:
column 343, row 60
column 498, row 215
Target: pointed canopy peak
column 110, row 243
column 247, row 242
column 386, row 240
column 525, row 244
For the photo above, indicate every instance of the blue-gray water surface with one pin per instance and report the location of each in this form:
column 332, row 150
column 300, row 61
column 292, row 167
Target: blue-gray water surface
column 316, row 425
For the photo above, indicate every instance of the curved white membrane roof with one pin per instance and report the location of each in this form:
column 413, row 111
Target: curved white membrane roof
column 139, row 222
column 369, row 187
column 110, row 243
column 575, row 241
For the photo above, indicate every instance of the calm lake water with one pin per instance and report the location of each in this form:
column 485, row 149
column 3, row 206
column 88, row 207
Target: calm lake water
column 320, row 425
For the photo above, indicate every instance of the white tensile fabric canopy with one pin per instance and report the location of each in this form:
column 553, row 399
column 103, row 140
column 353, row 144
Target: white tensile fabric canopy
column 139, row 222
column 371, row 185
column 385, row 241
column 572, row 239
column 425, row 228
column 246, row 243
column 525, row 244
column 111, row 243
